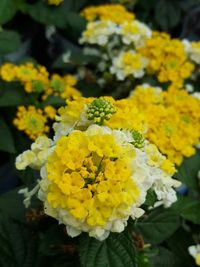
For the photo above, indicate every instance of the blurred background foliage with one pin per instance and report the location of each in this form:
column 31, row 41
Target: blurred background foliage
column 34, row 29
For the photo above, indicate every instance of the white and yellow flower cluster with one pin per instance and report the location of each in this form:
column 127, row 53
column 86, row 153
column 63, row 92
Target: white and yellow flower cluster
column 95, row 177
column 110, row 34
column 130, row 49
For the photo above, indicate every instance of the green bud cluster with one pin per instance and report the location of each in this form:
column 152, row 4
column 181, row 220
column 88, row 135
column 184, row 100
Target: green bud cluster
column 138, row 140
column 100, row 109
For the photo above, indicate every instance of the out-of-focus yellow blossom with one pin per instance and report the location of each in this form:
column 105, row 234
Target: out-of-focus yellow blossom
column 26, row 72
column 112, row 12
column 50, row 112
column 145, row 95
column 167, row 59
column 35, row 79
column 124, row 110
column 8, row 72
column 127, row 64
column 62, row 87
column 31, row 121
column 55, row 2
column 172, row 115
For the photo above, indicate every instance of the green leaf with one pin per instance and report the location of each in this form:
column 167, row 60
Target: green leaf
column 54, row 101
column 19, row 244
column 11, row 95
column 188, row 208
column 167, row 14
column 164, row 258
column 116, row 251
column 178, row 244
column 28, row 176
column 187, row 172
column 6, row 138
column 52, row 239
column 76, row 23
column 60, row 16
column 8, row 9
column 150, row 198
column 158, row 225
column 9, row 41
column 11, row 204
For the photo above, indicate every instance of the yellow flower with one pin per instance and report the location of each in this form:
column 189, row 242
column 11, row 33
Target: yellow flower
column 55, row 2
column 170, row 117
column 127, row 116
column 62, row 87
column 26, row 72
column 50, row 112
column 197, row 259
column 112, row 12
column 8, row 72
column 31, row 121
column 127, row 64
column 167, row 59
column 93, row 186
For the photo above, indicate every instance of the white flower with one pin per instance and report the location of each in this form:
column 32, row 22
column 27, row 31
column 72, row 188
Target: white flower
column 189, row 87
column 66, row 57
column 127, row 64
column 35, row 157
column 196, row 95
column 28, row 194
column 194, row 251
column 135, row 32
column 25, row 159
column 192, row 50
column 99, row 32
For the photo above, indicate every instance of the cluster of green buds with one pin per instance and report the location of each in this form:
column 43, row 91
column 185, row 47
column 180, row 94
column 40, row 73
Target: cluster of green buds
column 138, row 140
column 100, row 109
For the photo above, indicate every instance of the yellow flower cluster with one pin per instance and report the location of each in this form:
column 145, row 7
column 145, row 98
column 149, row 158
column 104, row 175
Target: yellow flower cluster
column 124, row 110
column 63, row 87
column 172, row 118
column 55, row 2
column 94, row 186
column 36, row 79
column 113, row 12
column 129, row 63
column 98, row 190
column 167, row 59
column 32, row 121
column 74, row 116
column 24, row 73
